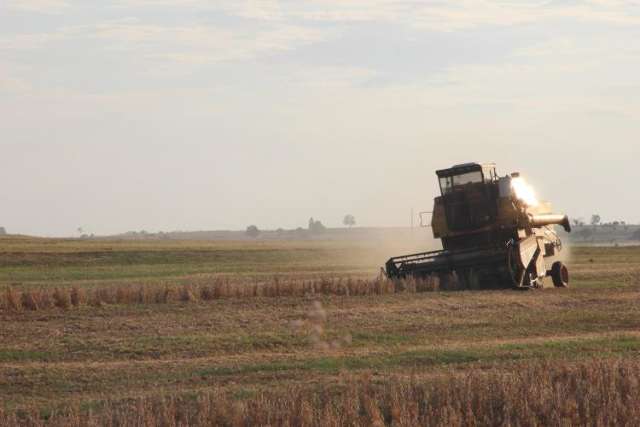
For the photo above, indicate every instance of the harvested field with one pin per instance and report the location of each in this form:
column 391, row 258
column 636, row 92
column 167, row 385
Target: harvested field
column 112, row 332
column 589, row 393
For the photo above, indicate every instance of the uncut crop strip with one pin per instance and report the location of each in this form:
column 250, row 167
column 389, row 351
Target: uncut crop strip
column 65, row 298
column 15, row 299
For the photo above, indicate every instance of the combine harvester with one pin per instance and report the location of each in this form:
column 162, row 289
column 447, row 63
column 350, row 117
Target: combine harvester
column 494, row 233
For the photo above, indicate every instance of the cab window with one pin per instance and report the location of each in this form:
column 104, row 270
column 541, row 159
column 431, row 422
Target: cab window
column 446, row 184
column 467, row 178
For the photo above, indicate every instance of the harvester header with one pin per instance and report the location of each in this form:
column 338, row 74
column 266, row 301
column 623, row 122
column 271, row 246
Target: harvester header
column 494, row 232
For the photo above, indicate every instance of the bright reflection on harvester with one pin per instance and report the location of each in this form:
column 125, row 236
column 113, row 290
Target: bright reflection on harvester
column 524, row 191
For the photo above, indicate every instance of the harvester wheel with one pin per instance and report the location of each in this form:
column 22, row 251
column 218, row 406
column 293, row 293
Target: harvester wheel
column 560, row 275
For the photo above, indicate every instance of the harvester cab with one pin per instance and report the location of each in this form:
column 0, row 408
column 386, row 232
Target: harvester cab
column 494, row 234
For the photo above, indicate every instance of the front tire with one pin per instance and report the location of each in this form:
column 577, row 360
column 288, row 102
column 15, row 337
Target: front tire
column 560, row 275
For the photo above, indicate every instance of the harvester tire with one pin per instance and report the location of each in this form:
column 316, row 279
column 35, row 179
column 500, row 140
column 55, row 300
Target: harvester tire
column 559, row 275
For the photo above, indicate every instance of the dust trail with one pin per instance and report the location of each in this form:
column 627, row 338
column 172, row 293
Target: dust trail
column 315, row 327
column 371, row 248
column 565, row 254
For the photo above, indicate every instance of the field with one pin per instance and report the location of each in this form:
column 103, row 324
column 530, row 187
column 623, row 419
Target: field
column 304, row 333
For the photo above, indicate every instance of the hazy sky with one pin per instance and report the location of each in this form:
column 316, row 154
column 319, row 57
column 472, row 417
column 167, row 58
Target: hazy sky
column 187, row 114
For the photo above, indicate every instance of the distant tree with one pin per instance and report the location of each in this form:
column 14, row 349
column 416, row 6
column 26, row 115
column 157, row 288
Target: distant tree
column 585, row 233
column 79, row 230
column 349, row 220
column 2, row 231
column 316, row 226
column 578, row 222
column 635, row 235
column 252, row 231
column 595, row 219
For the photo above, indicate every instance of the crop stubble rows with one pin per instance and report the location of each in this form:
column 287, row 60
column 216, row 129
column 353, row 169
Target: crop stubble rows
column 139, row 346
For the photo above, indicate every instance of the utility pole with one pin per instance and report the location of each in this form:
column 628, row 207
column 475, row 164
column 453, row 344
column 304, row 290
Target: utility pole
column 411, row 220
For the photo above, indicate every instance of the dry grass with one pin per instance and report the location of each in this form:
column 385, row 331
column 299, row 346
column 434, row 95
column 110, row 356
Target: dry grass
column 11, row 300
column 77, row 296
column 66, row 298
column 29, row 300
column 597, row 392
column 62, row 298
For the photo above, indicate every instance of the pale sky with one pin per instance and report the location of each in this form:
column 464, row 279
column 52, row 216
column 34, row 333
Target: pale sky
column 188, row 114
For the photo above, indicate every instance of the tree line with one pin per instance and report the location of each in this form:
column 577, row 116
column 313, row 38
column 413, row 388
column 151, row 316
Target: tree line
column 314, row 226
